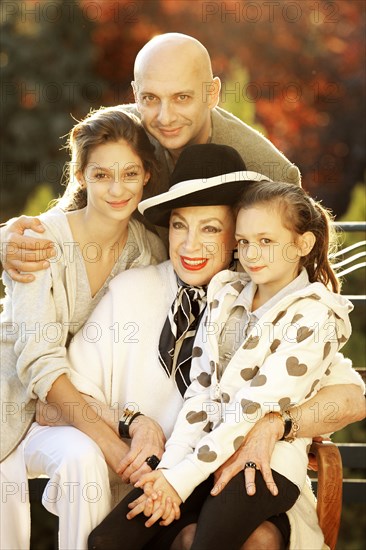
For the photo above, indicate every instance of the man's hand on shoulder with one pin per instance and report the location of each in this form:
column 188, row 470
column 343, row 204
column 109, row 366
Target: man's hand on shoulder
column 21, row 253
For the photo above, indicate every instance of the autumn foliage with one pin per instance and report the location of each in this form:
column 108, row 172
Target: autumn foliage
column 297, row 67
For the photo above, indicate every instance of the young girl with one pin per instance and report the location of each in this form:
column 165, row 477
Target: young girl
column 111, row 162
column 268, row 338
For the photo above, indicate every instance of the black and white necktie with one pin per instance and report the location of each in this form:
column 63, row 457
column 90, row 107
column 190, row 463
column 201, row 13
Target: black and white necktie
column 180, row 328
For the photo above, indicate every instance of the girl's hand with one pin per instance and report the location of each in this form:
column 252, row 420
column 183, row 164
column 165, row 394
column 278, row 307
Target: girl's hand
column 137, row 502
column 170, row 515
column 141, row 505
column 137, row 506
column 163, row 508
column 162, row 500
column 154, row 509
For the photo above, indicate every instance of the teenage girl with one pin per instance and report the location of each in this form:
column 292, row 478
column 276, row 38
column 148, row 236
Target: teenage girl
column 95, row 239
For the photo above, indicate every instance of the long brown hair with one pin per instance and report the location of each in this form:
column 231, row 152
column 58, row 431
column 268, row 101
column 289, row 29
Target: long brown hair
column 107, row 124
column 300, row 213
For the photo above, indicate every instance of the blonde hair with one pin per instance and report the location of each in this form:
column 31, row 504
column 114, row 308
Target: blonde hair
column 107, row 124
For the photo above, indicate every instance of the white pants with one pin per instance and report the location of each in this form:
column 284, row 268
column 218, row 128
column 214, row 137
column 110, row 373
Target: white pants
column 78, row 491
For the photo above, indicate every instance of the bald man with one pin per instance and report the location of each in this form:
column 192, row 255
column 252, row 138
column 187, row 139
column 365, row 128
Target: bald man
column 177, row 96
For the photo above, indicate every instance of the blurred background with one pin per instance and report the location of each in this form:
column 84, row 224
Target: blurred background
column 295, row 70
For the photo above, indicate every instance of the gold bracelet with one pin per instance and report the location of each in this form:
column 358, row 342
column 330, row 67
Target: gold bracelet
column 290, row 434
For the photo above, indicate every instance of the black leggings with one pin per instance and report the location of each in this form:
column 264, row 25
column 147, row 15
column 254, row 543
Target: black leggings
column 223, row 521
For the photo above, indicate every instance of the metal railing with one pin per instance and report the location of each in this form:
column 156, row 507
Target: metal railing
column 348, row 260
column 352, row 257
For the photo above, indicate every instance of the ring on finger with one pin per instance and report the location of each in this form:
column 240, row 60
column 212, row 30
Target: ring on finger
column 250, row 465
column 152, row 461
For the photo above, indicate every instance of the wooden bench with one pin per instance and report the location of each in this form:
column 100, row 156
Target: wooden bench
column 332, row 490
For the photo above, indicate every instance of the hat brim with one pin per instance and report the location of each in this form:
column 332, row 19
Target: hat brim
column 219, row 190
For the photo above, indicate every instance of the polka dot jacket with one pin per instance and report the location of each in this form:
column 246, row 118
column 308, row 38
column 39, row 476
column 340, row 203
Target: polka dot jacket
column 280, row 362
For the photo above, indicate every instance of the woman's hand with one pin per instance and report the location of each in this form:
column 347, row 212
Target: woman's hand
column 257, row 447
column 159, row 501
column 22, row 253
column 147, row 439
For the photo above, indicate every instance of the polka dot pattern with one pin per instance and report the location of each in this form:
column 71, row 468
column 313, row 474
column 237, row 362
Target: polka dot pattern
column 279, row 370
column 237, row 442
column 225, row 397
column 279, row 317
column 275, row 345
column 296, row 318
column 258, row 380
column 303, row 333
column 295, row 368
column 205, row 454
column 208, row 427
column 204, row 379
column 248, row 374
column 251, row 343
column 249, row 407
column 284, row 403
column 327, row 348
column 196, row 416
column 197, row 351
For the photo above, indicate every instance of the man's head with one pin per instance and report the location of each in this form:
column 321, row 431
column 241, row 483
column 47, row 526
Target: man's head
column 175, row 90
